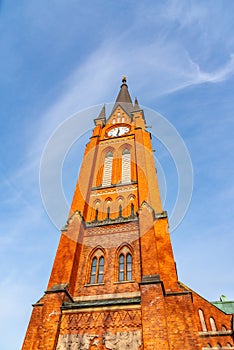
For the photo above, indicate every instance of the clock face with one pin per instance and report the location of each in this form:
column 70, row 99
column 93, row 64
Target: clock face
column 118, row 131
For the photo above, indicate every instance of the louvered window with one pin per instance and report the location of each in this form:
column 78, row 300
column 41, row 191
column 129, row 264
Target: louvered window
column 126, row 166
column 107, row 173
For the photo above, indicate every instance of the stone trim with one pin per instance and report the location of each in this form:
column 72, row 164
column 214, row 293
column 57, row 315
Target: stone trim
column 223, row 348
column 150, row 279
column 168, row 294
column 37, row 304
column 94, row 284
column 110, row 221
column 161, row 215
column 102, row 187
column 107, row 296
column 124, row 282
column 59, row 288
column 215, row 334
column 98, row 303
column 103, row 308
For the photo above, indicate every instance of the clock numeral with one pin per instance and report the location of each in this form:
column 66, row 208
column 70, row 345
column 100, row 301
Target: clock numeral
column 118, row 131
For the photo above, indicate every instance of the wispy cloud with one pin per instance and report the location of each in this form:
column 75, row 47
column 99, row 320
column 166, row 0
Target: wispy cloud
column 221, row 74
column 165, row 66
column 194, row 75
column 187, row 12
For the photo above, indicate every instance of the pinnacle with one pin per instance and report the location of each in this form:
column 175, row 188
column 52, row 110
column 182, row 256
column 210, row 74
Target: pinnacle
column 136, row 105
column 102, row 114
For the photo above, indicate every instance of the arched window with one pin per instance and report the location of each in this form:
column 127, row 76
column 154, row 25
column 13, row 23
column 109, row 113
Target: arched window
column 229, row 345
column 121, row 267
column 100, row 270
column 108, row 212
column 202, row 320
column 125, row 267
column 208, row 345
column 213, row 325
column 96, row 206
column 93, row 271
column 107, row 206
column 97, row 270
column 126, row 166
column 219, row 345
column 120, row 211
column 129, row 267
column 107, row 172
column 132, row 209
column 96, row 215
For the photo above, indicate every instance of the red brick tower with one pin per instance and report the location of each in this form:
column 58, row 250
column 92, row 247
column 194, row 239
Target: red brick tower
column 114, row 283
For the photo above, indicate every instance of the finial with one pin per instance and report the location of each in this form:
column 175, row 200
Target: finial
column 124, row 80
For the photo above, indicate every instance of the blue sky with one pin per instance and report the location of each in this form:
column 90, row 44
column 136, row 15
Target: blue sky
column 60, row 57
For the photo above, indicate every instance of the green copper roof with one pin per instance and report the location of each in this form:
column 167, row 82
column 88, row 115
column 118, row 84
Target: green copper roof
column 224, row 305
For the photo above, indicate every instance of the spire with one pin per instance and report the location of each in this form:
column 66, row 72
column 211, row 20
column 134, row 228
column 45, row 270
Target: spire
column 124, row 95
column 124, row 99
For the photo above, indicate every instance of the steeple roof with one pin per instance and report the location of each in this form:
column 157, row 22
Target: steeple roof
column 124, row 95
column 124, row 99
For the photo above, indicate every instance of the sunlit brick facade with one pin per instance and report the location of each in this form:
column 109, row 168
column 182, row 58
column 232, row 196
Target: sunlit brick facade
column 114, row 283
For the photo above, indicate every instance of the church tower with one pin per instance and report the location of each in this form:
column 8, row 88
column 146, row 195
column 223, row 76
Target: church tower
column 114, row 282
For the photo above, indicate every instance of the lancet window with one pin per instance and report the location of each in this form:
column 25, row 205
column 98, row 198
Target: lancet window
column 212, row 324
column 202, row 320
column 125, row 265
column 97, row 269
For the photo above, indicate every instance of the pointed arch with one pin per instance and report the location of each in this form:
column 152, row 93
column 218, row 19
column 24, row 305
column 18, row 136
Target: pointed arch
column 120, row 199
column 131, row 197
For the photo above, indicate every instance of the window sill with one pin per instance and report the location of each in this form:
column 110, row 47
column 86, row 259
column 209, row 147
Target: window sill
column 94, row 284
column 123, row 282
